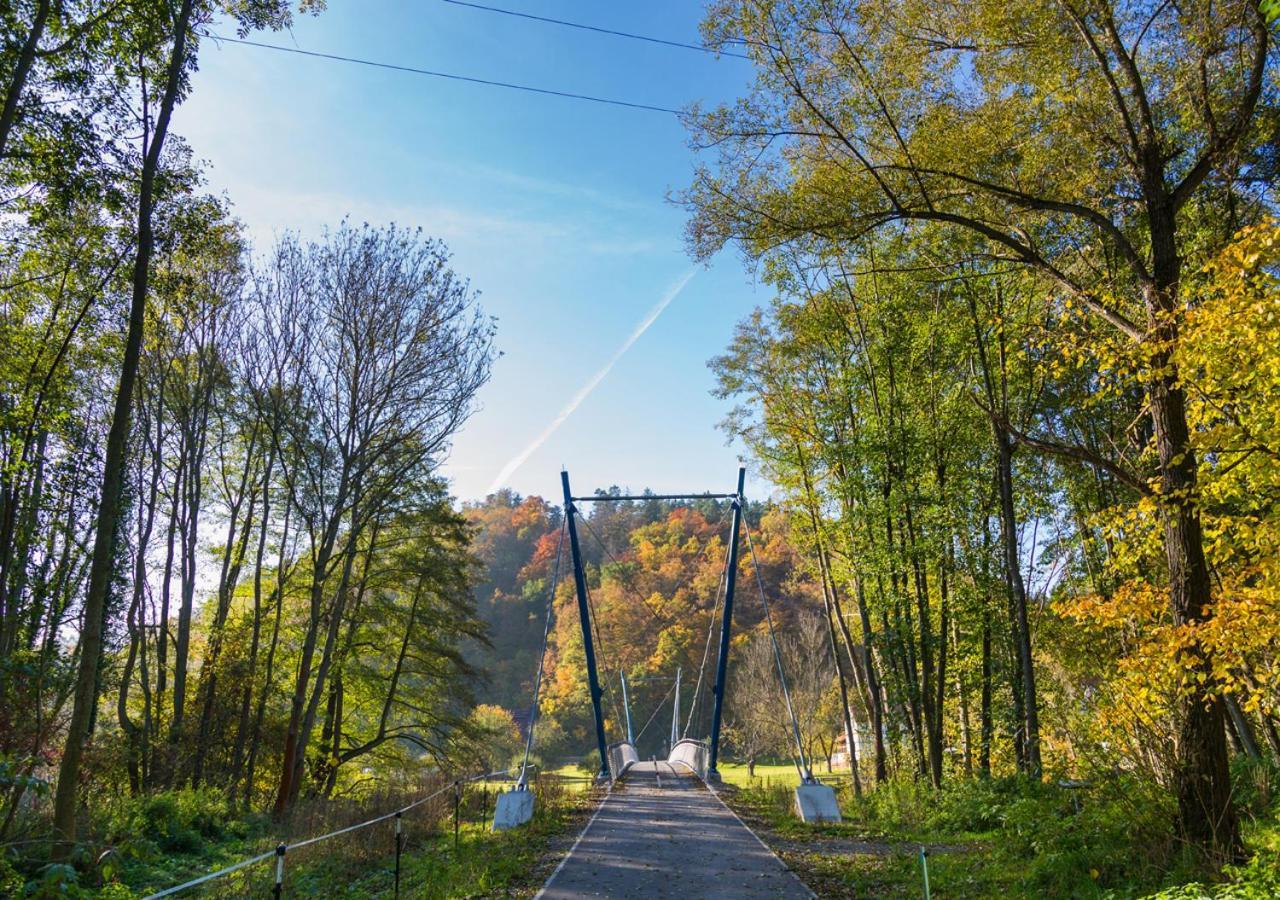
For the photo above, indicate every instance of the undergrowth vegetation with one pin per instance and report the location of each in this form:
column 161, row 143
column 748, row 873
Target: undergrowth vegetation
column 1110, row 838
column 152, row 842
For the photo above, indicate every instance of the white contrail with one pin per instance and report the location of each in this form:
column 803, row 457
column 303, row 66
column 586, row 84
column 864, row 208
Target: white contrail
column 585, row 391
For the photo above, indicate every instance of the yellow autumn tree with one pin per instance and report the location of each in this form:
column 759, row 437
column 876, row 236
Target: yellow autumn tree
column 1229, row 362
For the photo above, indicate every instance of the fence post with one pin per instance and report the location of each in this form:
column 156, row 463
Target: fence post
column 457, row 809
column 484, row 808
column 924, row 868
column 399, row 844
column 278, row 890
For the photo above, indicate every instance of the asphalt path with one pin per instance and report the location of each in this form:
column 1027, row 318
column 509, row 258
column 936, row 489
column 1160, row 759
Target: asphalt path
column 662, row 833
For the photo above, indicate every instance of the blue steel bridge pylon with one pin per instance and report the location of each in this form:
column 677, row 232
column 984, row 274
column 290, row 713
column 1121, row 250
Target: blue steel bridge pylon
column 726, row 627
column 584, row 611
column 584, row 616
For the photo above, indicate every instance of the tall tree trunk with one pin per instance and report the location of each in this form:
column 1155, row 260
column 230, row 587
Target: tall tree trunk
column 197, row 441
column 21, row 71
column 962, row 694
column 255, row 636
column 158, row 765
column 295, row 737
column 136, row 621
column 269, row 670
column 986, row 725
column 995, row 385
column 843, row 679
column 1206, row 815
column 873, row 684
column 102, row 566
column 232, row 561
column 832, row 610
column 333, row 738
column 1243, row 729
column 1030, row 716
column 874, row 688
column 939, row 703
column 327, row 657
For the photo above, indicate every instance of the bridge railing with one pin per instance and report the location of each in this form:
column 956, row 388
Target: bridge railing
column 622, row 756
column 693, row 754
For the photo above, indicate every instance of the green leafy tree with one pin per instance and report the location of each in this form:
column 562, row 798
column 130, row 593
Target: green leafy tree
column 1100, row 146
column 166, row 39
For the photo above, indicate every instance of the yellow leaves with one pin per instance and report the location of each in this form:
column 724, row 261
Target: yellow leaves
column 1135, row 604
column 1229, row 353
column 1235, row 651
column 1227, row 358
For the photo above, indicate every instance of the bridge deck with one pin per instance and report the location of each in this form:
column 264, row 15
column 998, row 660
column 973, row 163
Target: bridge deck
column 663, row 834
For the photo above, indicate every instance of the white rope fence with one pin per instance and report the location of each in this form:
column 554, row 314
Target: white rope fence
column 282, row 849
column 212, row 875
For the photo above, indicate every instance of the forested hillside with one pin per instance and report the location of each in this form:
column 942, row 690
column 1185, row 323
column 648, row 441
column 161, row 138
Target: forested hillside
column 655, row 571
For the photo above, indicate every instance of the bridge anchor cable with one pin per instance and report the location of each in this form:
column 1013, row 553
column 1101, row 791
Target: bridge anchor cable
column 806, row 773
column 542, row 656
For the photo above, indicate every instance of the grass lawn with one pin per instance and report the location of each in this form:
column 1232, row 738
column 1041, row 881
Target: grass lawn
column 508, row 864
column 572, row 779
column 844, row 860
column 773, row 774
column 1008, row 839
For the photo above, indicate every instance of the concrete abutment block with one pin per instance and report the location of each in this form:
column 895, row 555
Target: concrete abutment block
column 514, row 808
column 817, row 803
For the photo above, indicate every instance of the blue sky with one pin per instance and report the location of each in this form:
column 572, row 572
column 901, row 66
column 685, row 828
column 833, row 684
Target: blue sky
column 555, row 209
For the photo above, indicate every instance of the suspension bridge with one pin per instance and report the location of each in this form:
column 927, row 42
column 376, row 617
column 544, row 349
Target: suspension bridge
column 667, row 832
column 662, row 828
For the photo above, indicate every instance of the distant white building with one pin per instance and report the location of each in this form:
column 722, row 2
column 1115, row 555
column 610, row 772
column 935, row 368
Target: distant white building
column 862, row 743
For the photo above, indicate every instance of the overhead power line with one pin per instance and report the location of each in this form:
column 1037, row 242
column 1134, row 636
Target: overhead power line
column 610, row 31
column 568, row 95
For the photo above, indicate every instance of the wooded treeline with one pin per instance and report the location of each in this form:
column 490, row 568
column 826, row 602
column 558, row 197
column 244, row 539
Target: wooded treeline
column 1020, row 250
column 227, row 557
column 655, row 571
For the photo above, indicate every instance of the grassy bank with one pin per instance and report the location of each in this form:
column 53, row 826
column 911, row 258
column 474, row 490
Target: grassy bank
column 155, row 842
column 1012, row 839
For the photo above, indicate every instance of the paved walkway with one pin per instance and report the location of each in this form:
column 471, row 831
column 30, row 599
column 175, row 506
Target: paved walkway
column 661, row 833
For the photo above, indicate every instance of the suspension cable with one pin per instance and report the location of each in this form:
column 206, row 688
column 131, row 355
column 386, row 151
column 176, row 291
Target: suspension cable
column 663, row 620
column 607, row 685
column 657, row 709
column 806, row 774
column 542, row 656
column 706, row 649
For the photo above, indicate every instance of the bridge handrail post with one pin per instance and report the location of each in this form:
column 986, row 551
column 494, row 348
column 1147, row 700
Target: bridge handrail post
column 726, row 626
column 277, row 890
column 399, row 846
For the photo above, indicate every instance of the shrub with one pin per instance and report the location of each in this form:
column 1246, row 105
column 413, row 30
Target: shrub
column 116, row 891
column 181, row 820
column 10, row 881
column 1255, row 785
column 1062, row 842
column 56, row 880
